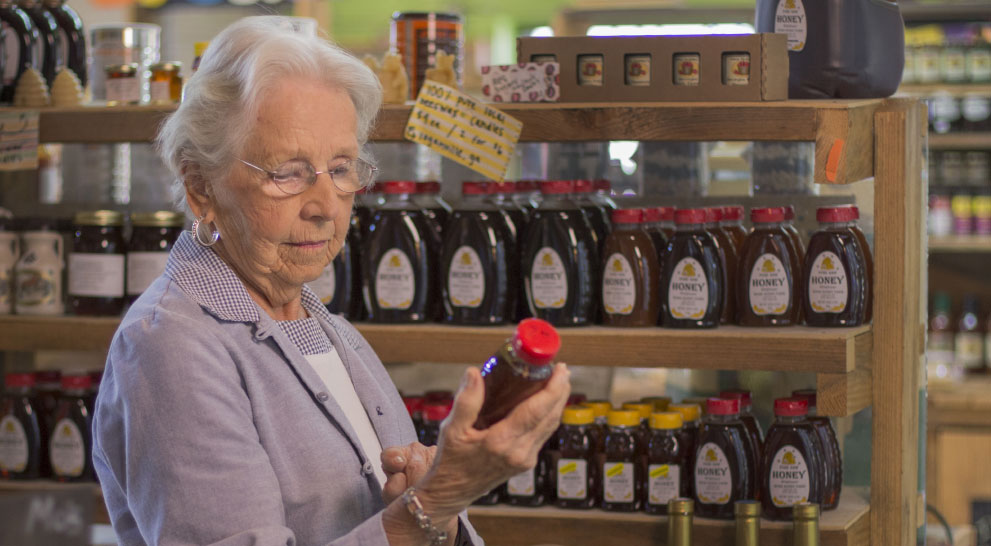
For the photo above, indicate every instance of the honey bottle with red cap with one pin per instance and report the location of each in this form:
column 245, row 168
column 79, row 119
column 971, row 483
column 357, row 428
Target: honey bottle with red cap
column 630, row 273
column 725, row 466
column 20, row 429
column 792, row 465
column 796, row 237
column 598, row 215
column 434, row 412
column 831, row 454
column 732, row 223
column 690, row 418
column 769, row 267
column 728, row 258
column 747, row 415
column 835, row 271
column 692, row 277
column 71, row 442
column 869, row 263
column 653, row 225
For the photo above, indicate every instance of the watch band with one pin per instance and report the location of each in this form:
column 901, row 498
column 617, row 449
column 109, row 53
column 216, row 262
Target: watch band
column 412, row 502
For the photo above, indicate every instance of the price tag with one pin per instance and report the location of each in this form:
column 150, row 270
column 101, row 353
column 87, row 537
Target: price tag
column 18, row 140
column 463, row 129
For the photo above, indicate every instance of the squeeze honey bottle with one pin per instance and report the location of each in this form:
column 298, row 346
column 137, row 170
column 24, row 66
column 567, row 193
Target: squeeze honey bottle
column 433, row 413
column 724, row 461
column 667, row 474
column 869, row 262
column 690, row 414
column 728, row 258
column 835, row 272
column 528, row 488
column 832, row 457
column 768, row 273
column 622, row 463
column 652, row 225
column 71, row 442
column 792, row 466
column 747, row 416
column 598, row 216
column 520, row 368
column 732, row 223
column 796, row 237
column 630, row 273
column 575, row 474
column 20, row 429
column 693, row 275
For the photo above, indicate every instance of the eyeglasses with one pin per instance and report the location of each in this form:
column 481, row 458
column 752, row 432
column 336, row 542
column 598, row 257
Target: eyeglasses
column 296, row 175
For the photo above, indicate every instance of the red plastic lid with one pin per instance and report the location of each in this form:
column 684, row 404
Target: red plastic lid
column 743, row 395
column 536, row 341
column 502, row 187
column 835, row 214
column 12, row 380
column 689, row 216
column 733, row 213
column 713, row 214
column 722, row 406
column 651, row 214
column 627, row 216
column 576, row 398
column 789, row 212
column 557, row 186
column 475, row 188
column 437, row 411
column 667, row 214
column 414, row 404
column 603, row 185
column 526, row 186
column 584, row 186
column 855, row 209
column 399, row 186
column 76, row 382
column 790, row 407
column 49, row 377
column 809, row 395
column 767, row 214
column 428, row 187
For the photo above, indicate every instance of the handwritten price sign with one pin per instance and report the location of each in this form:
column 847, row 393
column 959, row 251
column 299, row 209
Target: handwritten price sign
column 463, row 129
column 19, row 140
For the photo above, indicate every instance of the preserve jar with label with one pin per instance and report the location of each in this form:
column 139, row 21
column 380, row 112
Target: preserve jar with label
column 165, row 83
column 560, row 259
column 667, row 474
column 520, row 368
column 835, row 272
column 725, row 465
column 792, row 463
column 399, row 261
column 831, row 454
column 38, row 274
column 123, row 84
column 575, row 476
column 96, row 264
column 20, row 429
column 71, row 442
column 728, row 258
column 152, row 237
column 692, row 276
column 622, row 463
column 768, row 273
column 630, row 273
column 480, row 262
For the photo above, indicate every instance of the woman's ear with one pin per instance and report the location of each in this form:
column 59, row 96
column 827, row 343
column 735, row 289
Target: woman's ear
column 197, row 193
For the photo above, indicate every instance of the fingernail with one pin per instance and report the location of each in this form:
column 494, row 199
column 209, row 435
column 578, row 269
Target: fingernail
column 399, row 459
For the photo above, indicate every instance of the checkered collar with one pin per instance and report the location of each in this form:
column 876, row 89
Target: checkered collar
column 210, row 282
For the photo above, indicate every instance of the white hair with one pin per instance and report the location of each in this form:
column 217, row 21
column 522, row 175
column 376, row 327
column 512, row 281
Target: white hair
column 220, row 101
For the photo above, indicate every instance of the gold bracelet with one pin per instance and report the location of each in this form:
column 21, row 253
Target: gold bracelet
column 412, row 502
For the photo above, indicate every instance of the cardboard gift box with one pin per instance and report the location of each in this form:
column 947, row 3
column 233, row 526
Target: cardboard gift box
column 521, row 82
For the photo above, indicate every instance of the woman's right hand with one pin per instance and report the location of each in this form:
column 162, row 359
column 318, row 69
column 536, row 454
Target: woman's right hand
column 469, row 462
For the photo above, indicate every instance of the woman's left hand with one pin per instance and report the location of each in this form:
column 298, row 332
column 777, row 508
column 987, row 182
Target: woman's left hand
column 404, row 466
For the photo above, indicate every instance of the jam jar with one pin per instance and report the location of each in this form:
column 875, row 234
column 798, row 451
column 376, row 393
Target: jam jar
column 96, row 264
column 152, row 237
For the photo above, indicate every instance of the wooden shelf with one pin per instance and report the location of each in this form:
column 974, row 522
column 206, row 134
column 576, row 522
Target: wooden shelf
column 924, row 90
column 56, row 333
column 101, row 124
column 960, row 243
column 960, row 141
column 848, row 525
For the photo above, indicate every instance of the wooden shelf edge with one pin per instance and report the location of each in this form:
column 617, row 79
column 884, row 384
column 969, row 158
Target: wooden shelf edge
column 960, row 141
column 922, row 90
column 960, row 243
column 504, row 525
column 842, row 395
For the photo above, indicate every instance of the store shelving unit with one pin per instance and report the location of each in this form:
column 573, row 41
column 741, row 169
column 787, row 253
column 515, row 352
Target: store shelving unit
column 961, row 243
column 876, row 366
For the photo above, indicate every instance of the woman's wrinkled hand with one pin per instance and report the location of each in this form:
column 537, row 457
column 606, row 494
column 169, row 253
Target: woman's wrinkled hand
column 404, row 466
column 470, row 462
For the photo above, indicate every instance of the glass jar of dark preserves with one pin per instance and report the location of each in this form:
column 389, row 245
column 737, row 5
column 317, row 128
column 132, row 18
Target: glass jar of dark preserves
column 96, row 264
column 152, row 237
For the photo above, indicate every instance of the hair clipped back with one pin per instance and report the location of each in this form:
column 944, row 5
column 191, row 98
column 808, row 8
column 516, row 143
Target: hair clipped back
column 245, row 61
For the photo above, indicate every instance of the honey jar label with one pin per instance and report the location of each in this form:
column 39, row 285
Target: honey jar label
column 713, row 476
column 789, row 19
column 638, row 70
column 736, row 68
column 788, row 480
column 522, row 484
column 617, row 482
column 323, row 286
column 619, row 291
column 590, row 70
column 96, row 275
column 828, row 287
column 161, row 91
column 572, row 479
column 663, row 483
column 548, row 280
column 394, row 280
column 143, row 268
column 68, row 451
column 770, row 289
column 465, row 278
column 688, row 291
column 686, row 69
column 13, row 445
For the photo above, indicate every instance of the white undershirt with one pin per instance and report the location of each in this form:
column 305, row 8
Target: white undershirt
column 335, row 376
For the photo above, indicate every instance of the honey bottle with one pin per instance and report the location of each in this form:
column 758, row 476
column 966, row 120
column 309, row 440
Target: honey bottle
column 667, row 474
column 427, row 197
column 367, row 201
column 501, row 195
column 690, row 417
column 724, row 461
column 72, row 38
column 529, row 488
column 622, row 463
column 659, row 403
column 630, row 273
column 831, row 455
column 433, row 413
column 732, row 223
column 792, row 465
column 480, row 261
column 652, row 225
column 767, row 274
column 344, row 284
column 560, row 260
column 49, row 41
column 20, row 429
column 600, row 412
column 598, row 216
column 643, row 410
column 23, row 47
column 747, row 416
column 575, row 474
column 796, row 237
column 520, row 368
column 693, row 275
column 603, row 194
column 414, row 407
column 71, row 442
column 835, row 272
column 868, row 261
column 727, row 258
column 399, row 260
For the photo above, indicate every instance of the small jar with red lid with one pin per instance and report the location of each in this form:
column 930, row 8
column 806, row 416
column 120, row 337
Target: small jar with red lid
column 768, row 273
column 630, row 273
column 725, row 466
column 692, row 276
column 71, row 441
column 20, row 429
column 793, row 467
column 835, row 272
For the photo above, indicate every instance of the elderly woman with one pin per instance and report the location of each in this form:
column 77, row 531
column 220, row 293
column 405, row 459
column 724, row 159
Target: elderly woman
column 235, row 409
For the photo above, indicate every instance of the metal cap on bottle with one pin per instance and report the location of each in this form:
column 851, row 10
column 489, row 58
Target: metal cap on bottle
column 806, row 529
column 747, row 522
column 680, row 512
